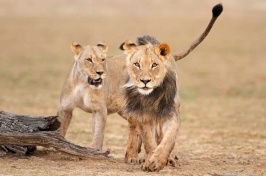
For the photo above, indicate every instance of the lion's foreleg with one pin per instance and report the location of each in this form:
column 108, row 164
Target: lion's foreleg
column 64, row 116
column 98, row 127
column 159, row 134
column 147, row 130
column 160, row 155
column 134, row 142
column 159, row 137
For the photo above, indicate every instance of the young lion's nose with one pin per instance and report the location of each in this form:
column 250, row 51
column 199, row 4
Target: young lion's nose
column 99, row 72
column 145, row 81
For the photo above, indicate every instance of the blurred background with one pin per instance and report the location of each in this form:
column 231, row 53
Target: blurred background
column 222, row 82
column 36, row 36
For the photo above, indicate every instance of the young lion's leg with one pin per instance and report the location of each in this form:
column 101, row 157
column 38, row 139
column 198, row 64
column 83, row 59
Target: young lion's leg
column 160, row 155
column 147, row 130
column 133, row 143
column 64, row 116
column 98, row 127
column 159, row 136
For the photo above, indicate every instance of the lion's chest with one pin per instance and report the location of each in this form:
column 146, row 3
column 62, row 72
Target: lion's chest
column 88, row 99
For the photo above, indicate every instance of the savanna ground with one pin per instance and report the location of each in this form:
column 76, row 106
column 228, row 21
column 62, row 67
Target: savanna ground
column 223, row 82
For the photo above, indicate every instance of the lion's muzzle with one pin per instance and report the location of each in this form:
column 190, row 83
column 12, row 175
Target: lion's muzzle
column 95, row 82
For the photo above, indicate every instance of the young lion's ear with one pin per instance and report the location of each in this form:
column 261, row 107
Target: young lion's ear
column 128, row 47
column 76, row 48
column 163, row 50
column 103, row 46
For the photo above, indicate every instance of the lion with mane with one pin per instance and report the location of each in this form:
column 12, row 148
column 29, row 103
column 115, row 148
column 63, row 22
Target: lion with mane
column 151, row 98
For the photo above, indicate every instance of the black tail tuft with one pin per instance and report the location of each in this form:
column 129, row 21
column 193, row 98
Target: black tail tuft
column 217, row 10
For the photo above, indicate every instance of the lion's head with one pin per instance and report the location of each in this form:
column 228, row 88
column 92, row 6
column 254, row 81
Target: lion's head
column 91, row 62
column 146, row 63
column 151, row 84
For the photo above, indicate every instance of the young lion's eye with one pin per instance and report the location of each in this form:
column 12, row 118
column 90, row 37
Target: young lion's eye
column 137, row 64
column 154, row 65
column 103, row 60
column 89, row 59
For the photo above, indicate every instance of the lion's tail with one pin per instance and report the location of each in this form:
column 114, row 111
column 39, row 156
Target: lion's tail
column 216, row 11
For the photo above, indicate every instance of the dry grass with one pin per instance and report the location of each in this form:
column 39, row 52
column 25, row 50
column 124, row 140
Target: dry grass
column 223, row 82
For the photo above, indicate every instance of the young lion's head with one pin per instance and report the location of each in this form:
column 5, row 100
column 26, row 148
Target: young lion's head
column 151, row 84
column 146, row 63
column 91, row 63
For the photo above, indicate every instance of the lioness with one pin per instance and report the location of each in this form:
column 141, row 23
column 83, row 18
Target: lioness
column 95, row 84
column 152, row 99
column 89, row 88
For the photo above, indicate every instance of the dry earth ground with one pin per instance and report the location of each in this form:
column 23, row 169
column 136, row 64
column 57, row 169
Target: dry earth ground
column 223, row 82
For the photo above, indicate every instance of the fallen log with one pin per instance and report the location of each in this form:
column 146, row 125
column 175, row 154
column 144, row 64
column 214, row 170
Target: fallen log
column 21, row 134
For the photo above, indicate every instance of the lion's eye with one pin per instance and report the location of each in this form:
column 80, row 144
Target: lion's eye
column 154, row 65
column 103, row 60
column 89, row 59
column 137, row 64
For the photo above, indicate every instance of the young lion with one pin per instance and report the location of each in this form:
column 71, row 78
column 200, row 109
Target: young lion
column 151, row 95
column 152, row 99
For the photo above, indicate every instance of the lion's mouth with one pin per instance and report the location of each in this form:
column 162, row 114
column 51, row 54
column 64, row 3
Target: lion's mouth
column 145, row 88
column 95, row 82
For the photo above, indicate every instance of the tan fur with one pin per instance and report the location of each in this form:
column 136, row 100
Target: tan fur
column 134, row 142
column 139, row 64
column 109, row 98
column 151, row 63
column 99, row 100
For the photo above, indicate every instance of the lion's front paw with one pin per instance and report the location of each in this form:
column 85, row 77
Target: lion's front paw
column 132, row 159
column 154, row 163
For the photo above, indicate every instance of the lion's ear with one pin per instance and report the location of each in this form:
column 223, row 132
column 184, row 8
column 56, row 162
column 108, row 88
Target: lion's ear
column 76, row 48
column 103, row 46
column 128, row 47
column 163, row 50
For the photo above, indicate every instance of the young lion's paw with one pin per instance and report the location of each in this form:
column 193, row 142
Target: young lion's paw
column 132, row 159
column 135, row 160
column 154, row 164
column 172, row 161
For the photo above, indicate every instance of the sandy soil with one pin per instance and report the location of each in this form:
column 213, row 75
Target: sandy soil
column 223, row 82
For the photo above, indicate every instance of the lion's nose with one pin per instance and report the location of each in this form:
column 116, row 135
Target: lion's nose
column 145, row 81
column 99, row 72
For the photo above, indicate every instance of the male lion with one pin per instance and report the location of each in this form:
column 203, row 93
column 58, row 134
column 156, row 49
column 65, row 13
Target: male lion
column 151, row 95
column 151, row 99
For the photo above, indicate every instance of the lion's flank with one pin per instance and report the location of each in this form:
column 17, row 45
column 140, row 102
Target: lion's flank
column 159, row 103
column 147, row 39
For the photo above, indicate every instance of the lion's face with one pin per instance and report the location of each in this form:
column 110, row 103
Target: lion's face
column 91, row 63
column 146, row 66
